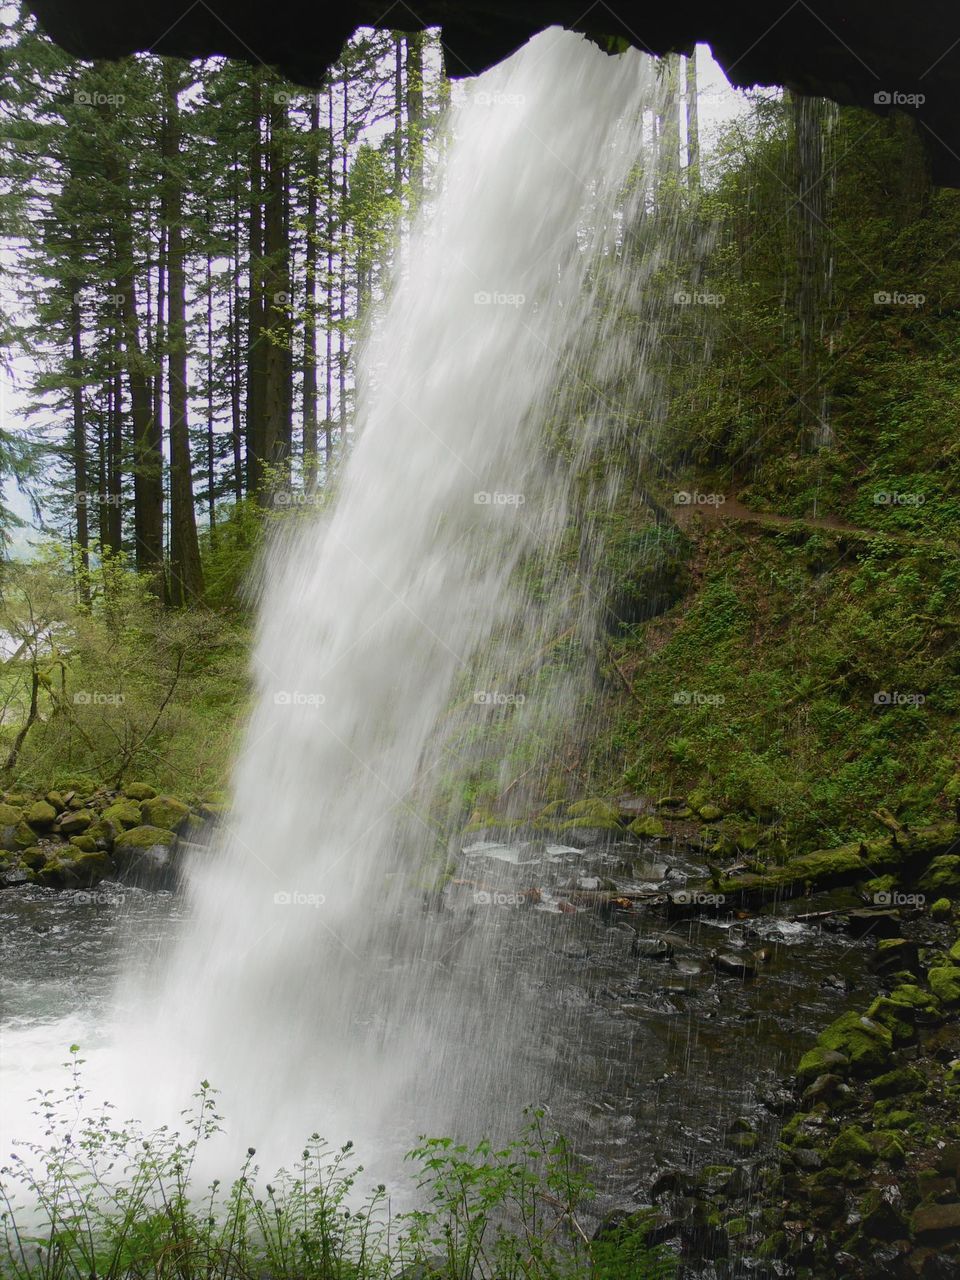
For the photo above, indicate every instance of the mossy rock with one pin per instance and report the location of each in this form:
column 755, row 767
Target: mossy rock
column 888, row 1144
column 144, row 837
column 821, row 1061
column 91, row 867
column 942, row 876
column 709, row 813
column 942, row 909
column 104, row 832
column 648, row 827
column 895, row 1083
column 212, row 810
column 24, row 836
column 850, row 1146
column 123, row 814
column 56, row 799
column 35, row 857
column 899, row 1019
column 16, row 798
column 85, row 843
column 75, row 823
column 139, row 791
column 916, row 998
column 41, row 815
column 945, row 984
column 954, row 951
column 10, row 819
column 169, row 814
column 58, row 874
column 866, row 1043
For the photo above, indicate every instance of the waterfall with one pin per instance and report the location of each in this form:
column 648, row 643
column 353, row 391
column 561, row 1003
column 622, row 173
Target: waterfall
column 311, row 987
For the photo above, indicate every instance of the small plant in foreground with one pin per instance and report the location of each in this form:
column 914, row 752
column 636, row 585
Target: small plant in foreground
column 98, row 1200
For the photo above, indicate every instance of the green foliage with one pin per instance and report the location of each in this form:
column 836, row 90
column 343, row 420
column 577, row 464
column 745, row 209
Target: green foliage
column 103, row 1198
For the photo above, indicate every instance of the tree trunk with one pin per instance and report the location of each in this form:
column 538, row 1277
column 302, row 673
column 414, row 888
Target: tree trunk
column 693, row 124
column 256, row 342
column 415, row 116
column 79, row 433
column 186, row 572
column 310, row 306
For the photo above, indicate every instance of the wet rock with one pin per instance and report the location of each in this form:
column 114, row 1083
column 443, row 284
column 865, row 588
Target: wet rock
column 895, row 955
column 942, row 909
column 672, row 1182
column 10, row 819
column 651, row 949
column 85, row 843
column 647, row 827
column 11, row 877
column 145, row 855
column 877, row 921
column 818, row 1061
column 899, row 1081
column 939, row 1221
column 823, row 1087
column 734, row 964
column 124, row 814
column 850, row 1147
column 866, row 1043
column 881, row 1214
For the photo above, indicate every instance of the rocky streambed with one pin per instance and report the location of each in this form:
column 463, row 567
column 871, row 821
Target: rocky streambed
column 760, row 1060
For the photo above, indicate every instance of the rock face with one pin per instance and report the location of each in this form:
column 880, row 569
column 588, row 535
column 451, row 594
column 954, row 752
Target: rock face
column 858, row 53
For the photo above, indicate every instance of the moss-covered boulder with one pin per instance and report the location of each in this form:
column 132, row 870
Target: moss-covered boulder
column 10, row 819
column 648, row 827
column 850, row 1146
column 123, row 814
column 955, row 951
column 35, row 857
column 888, row 1145
column 24, row 836
column 41, row 815
column 144, row 855
column 139, row 791
column 104, row 832
column 56, row 799
column 867, row 1044
column 942, row 909
column 709, row 813
column 85, row 843
column 942, row 876
column 819, row 1061
column 895, row 1083
column 164, row 812
column 945, row 984
column 76, row 822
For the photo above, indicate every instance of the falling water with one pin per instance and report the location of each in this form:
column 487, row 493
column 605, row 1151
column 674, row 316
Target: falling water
column 312, row 988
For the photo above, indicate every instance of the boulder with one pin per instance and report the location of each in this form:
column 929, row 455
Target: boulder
column 942, row 876
column 85, row 843
column 145, row 856
column 76, row 822
column 10, row 819
column 945, row 984
column 138, row 791
column 819, row 1061
column 865, row 1043
column 648, row 827
column 41, row 815
column 164, row 812
column 123, row 814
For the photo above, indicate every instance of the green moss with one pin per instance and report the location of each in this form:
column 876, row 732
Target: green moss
column 819, row 1061
column 866, row 1043
column 649, row 827
column 942, row 876
column 888, row 1145
column 41, row 815
column 897, row 1082
column 850, row 1147
column 709, row 813
column 139, row 838
column 138, row 791
column 123, row 814
column 165, row 812
column 85, row 843
column 945, row 984
column 941, row 909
